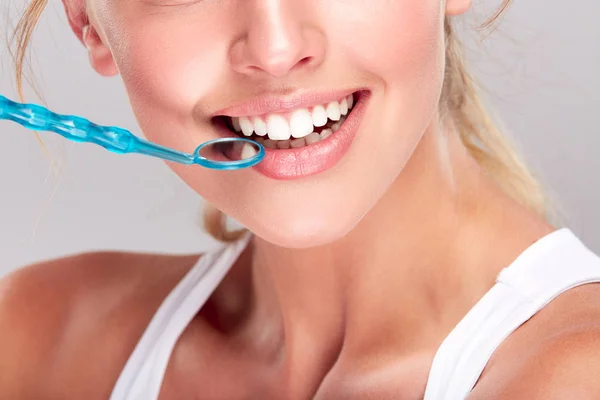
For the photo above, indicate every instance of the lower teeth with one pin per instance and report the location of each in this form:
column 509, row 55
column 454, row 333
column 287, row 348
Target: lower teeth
column 302, row 142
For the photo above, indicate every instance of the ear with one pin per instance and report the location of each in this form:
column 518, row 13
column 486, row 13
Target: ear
column 457, row 7
column 99, row 53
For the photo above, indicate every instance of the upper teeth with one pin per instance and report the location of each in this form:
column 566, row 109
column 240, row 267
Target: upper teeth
column 297, row 124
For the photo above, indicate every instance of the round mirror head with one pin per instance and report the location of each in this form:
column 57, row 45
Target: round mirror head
column 229, row 153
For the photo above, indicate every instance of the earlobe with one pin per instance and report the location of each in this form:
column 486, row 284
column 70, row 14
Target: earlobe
column 100, row 56
column 457, row 7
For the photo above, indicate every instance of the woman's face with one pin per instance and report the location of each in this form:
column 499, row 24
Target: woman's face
column 185, row 62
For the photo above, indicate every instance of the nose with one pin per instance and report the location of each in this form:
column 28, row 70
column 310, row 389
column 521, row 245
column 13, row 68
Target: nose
column 278, row 39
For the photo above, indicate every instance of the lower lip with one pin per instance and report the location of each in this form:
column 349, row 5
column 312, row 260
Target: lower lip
column 288, row 164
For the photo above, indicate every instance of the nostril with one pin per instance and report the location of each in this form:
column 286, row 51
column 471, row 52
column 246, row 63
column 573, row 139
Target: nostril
column 306, row 62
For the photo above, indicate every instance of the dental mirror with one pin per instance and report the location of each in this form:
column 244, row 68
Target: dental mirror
column 221, row 154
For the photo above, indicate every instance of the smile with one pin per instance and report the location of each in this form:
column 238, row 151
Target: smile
column 299, row 141
column 294, row 129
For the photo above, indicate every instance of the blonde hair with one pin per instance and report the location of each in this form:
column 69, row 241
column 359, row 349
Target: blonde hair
column 460, row 102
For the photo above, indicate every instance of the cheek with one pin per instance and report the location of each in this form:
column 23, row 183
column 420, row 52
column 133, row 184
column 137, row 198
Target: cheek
column 165, row 74
column 392, row 38
column 175, row 69
column 401, row 44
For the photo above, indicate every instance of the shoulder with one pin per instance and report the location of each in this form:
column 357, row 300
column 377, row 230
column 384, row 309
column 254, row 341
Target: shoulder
column 556, row 357
column 51, row 312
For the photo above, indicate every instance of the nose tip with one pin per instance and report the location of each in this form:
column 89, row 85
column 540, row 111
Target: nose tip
column 276, row 49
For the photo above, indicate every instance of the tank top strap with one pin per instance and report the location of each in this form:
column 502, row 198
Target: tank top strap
column 142, row 377
column 549, row 267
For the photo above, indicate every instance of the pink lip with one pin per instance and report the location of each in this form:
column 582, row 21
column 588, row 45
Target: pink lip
column 280, row 104
column 288, row 164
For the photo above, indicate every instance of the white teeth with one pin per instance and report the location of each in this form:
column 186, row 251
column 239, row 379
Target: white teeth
column 296, row 143
column 319, row 116
column 248, row 151
column 246, row 125
column 260, row 127
column 277, row 127
column 325, row 133
column 236, row 124
column 333, row 111
column 312, row 138
column 301, row 123
column 344, row 106
column 283, row 144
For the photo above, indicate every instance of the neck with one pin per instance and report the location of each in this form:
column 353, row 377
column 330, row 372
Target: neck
column 401, row 280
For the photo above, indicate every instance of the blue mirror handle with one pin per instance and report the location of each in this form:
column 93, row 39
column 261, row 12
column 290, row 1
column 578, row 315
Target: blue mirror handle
column 78, row 129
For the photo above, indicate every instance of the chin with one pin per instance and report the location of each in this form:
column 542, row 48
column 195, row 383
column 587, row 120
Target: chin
column 301, row 232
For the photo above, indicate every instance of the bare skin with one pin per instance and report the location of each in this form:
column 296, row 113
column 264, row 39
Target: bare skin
column 368, row 328
column 354, row 276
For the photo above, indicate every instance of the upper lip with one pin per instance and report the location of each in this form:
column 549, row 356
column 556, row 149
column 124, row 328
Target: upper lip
column 280, row 104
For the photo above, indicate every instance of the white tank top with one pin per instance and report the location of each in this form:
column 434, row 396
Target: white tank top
column 549, row 267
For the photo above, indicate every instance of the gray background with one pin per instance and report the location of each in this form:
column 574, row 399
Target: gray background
column 540, row 71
